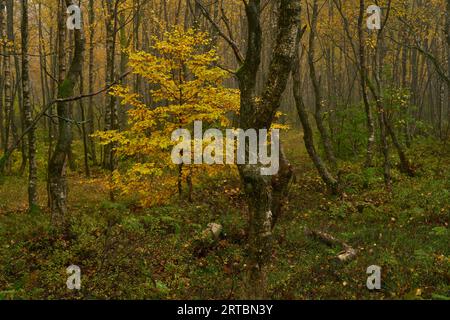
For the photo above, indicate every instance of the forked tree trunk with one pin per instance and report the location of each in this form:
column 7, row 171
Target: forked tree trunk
column 308, row 135
column 264, row 193
column 385, row 125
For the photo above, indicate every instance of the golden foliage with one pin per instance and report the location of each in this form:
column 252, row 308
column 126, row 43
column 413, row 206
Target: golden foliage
column 186, row 87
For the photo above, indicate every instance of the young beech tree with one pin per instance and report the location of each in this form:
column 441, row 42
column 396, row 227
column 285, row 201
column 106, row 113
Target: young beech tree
column 186, row 87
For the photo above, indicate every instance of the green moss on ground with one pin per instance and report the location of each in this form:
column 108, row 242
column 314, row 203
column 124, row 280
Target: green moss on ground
column 125, row 251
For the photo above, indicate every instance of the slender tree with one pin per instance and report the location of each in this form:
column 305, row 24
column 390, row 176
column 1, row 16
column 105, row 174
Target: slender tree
column 111, row 116
column 318, row 98
column 363, row 82
column 9, row 103
column 57, row 165
column 91, row 114
column 3, row 145
column 447, row 32
column 32, row 178
column 308, row 133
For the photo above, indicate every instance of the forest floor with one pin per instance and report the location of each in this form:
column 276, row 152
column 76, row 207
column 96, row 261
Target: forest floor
column 128, row 252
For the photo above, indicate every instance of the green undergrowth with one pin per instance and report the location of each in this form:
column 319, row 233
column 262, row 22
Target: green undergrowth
column 128, row 252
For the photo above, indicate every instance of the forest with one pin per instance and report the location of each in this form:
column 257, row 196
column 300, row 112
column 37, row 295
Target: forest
column 224, row 149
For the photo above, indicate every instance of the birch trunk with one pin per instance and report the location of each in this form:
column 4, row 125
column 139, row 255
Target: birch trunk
column 32, row 177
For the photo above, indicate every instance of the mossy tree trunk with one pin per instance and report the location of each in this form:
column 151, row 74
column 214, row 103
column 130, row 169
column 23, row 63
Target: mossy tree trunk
column 264, row 193
column 57, row 165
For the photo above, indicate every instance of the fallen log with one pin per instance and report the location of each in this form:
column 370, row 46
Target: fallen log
column 347, row 254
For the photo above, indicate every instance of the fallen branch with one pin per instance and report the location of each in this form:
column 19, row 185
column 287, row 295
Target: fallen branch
column 347, row 254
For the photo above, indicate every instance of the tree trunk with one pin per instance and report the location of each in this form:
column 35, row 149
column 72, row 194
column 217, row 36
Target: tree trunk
column 376, row 92
column 111, row 117
column 9, row 103
column 136, row 40
column 18, row 91
column 12, row 140
column 258, row 113
column 90, row 118
column 124, row 44
column 83, row 127
column 3, row 145
column 58, row 161
column 328, row 147
column 447, row 30
column 32, row 178
column 405, row 165
column 308, row 135
column 363, row 76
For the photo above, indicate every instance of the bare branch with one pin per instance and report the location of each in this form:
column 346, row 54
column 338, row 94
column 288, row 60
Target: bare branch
column 228, row 39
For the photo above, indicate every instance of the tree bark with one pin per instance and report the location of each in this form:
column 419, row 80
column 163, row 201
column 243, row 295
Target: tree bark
column 111, row 117
column 382, row 118
column 447, row 31
column 308, row 135
column 258, row 113
column 32, row 178
column 18, row 91
column 9, row 103
column 91, row 118
column 385, row 124
column 84, row 137
column 124, row 44
column 58, row 161
column 327, row 145
column 3, row 145
column 363, row 76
